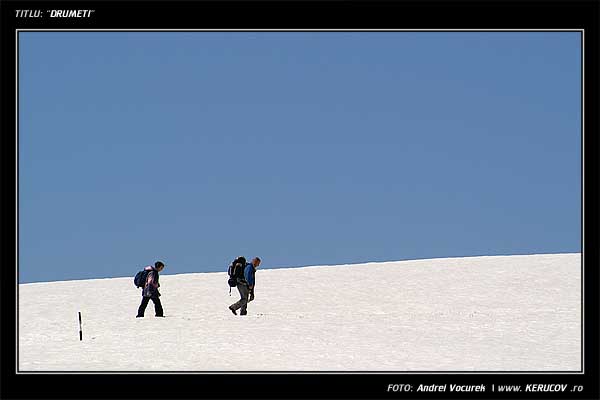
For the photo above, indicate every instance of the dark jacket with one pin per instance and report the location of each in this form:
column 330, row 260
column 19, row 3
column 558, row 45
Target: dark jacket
column 152, row 285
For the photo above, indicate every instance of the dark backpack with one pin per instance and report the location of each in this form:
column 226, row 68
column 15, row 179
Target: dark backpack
column 140, row 278
column 235, row 271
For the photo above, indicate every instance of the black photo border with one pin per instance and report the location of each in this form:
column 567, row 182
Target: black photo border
column 306, row 15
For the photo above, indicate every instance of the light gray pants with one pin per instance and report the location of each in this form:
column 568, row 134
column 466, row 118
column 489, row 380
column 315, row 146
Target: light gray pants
column 243, row 302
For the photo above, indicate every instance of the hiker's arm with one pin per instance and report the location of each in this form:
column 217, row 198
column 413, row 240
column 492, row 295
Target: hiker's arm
column 251, row 284
column 250, row 277
column 149, row 279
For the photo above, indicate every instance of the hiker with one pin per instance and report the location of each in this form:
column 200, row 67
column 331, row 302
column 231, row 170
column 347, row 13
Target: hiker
column 246, row 287
column 150, row 291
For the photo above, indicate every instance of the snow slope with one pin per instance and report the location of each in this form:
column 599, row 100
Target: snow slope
column 502, row 313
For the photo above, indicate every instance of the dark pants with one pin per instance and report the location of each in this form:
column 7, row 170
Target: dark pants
column 158, row 310
column 243, row 302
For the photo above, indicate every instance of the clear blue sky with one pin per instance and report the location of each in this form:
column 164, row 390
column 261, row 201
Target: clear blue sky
column 304, row 148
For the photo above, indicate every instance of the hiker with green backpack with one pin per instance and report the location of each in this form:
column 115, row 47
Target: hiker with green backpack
column 242, row 274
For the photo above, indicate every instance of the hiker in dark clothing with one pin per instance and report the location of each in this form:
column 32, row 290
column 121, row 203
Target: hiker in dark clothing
column 246, row 287
column 150, row 291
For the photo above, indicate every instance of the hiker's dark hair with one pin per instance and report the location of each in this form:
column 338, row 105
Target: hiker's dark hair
column 158, row 264
column 258, row 258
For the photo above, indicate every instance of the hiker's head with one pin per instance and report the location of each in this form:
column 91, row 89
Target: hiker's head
column 256, row 262
column 159, row 266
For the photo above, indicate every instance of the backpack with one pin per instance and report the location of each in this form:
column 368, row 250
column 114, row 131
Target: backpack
column 140, row 278
column 235, row 271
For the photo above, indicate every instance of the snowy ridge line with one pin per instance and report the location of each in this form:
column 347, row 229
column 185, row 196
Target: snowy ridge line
column 365, row 264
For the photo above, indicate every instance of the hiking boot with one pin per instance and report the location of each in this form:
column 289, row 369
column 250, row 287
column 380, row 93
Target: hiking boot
column 139, row 316
column 232, row 310
column 243, row 312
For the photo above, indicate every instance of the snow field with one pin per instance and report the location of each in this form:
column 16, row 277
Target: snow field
column 502, row 313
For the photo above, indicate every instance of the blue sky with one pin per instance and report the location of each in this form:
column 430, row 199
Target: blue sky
column 304, row 148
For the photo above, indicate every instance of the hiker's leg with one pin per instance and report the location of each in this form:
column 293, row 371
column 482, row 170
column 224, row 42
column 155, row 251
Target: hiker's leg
column 235, row 305
column 243, row 289
column 245, row 292
column 158, row 310
column 142, row 308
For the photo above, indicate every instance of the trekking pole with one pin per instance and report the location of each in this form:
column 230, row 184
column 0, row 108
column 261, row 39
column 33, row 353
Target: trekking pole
column 80, row 331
